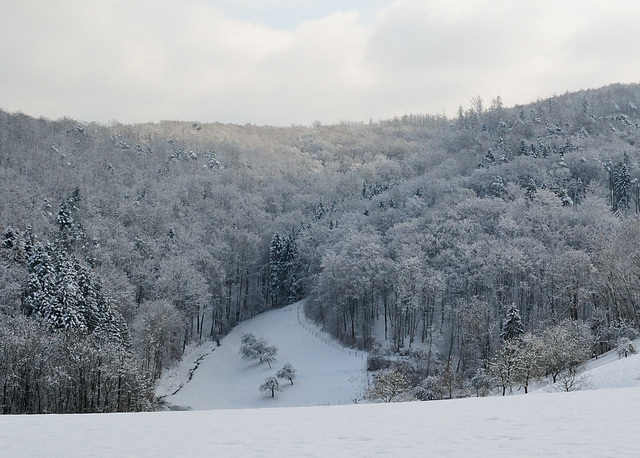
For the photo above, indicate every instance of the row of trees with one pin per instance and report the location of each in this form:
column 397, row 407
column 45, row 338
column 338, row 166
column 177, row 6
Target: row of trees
column 67, row 372
column 271, row 384
column 253, row 347
column 554, row 355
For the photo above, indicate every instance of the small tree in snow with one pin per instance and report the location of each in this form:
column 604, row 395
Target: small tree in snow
column 287, row 372
column 254, row 348
column 565, row 345
column 482, row 382
column 249, row 345
column 267, row 354
column 530, row 365
column 504, row 367
column 572, row 380
column 270, row 385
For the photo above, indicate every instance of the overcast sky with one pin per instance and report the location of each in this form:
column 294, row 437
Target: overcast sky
column 285, row 62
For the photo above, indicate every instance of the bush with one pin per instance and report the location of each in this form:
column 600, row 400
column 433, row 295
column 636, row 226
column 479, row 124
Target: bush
column 376, row 362
column 432, row 388
column 625, row 347
column 390, row 385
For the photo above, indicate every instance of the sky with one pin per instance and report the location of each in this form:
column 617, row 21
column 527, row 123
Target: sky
column 285, row 62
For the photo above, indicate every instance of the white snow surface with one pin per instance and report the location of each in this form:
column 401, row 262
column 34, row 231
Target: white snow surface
column 245, row 423
column 584, row 423
column 327, row 374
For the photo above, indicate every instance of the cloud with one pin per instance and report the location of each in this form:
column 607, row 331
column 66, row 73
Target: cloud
column 143, row 60
column 517, row 49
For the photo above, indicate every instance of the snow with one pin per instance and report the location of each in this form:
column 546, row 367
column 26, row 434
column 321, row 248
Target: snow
column 327, row 374
column 585, row 423
column 611, row 371
column 599, row 422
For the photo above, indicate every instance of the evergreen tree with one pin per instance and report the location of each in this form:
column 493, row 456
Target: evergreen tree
column 284, row 282
column 71, row 230
column 622, row 184
column 67, row 295
column 512, row 327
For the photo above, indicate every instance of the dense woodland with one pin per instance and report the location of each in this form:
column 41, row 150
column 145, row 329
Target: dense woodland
column 441, row 238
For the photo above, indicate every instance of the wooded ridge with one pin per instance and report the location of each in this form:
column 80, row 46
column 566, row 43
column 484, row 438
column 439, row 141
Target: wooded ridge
column 454, row 236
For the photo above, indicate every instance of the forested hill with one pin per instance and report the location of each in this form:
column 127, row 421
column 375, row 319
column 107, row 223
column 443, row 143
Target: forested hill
column 415, row 229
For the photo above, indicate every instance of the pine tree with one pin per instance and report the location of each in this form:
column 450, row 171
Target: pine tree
column 68, row 296
column 70, row 229
column 285, row 285
column 621, row 187
column 512, row 327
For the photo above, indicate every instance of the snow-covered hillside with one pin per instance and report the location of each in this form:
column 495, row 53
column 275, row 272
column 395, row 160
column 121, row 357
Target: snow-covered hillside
column 599, row 422
column 611, row 371
column 327, row 374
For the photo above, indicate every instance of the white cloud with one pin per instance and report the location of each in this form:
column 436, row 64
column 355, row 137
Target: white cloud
column 140, row 60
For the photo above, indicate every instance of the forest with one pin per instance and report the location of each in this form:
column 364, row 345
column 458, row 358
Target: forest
column 443, row 246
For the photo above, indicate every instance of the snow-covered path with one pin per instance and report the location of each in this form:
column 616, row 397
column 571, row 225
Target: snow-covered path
column 327, row 374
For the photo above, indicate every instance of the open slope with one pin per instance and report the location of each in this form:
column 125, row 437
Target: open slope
column 327, row 374
column 611, row 371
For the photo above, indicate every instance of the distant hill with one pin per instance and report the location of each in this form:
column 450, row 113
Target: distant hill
column 418, row 232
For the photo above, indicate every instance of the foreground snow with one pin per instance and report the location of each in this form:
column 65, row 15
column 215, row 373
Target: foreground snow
column 585, row 423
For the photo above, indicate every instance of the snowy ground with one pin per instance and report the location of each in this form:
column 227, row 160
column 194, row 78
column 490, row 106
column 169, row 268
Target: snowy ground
column 585, row 423
column 327, row 374
column 599, row 422
column 611, row 371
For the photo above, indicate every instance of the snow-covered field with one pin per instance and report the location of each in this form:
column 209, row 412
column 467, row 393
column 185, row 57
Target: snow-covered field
column 327, row 374
column 599, row 422
column 586, row 423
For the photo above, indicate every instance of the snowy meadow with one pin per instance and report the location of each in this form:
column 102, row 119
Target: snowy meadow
column 587, row 423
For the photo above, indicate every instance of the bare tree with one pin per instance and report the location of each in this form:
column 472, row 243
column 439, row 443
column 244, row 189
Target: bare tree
column 270, row 385
column 390, row 385
column 287, row 372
